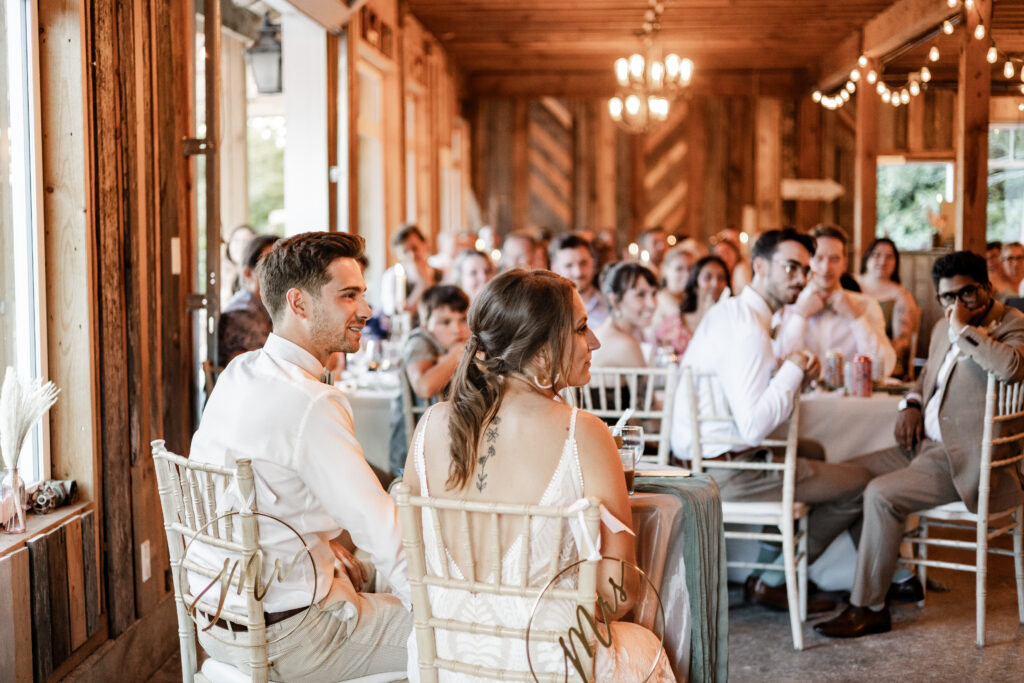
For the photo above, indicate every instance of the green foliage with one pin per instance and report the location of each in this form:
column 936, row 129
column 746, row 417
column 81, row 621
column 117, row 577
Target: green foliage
column 906, row 195
column 265, row 139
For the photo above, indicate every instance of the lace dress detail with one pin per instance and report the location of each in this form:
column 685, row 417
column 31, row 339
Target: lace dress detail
column 564, row 488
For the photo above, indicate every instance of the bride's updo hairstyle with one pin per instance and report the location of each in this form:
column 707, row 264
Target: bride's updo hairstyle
column 515, row 317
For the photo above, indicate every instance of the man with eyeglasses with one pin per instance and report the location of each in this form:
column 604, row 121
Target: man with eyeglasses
column 936, row 459
column 735, row 341
column 826, row 317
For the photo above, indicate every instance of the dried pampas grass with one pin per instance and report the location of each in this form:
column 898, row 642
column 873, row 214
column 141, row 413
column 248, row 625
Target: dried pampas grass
column 22, row 405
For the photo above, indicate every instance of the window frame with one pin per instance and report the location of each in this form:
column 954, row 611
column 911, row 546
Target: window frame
column 30, row 306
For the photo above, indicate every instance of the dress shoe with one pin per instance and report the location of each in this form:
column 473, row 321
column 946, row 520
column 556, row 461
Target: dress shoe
column 905, row 591
column 758, row 592
column 855, row 622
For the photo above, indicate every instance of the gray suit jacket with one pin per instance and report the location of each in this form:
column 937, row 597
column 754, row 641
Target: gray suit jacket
column 998, row 349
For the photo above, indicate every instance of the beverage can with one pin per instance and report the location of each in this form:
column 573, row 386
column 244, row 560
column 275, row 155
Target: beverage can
column 834, row 370
column 861, row 376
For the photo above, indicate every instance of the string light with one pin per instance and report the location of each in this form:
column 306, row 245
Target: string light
column 855, row 75
column 947, row 27
column 880, row 88
column 862, row 61
column 851, row 86
column 979, row 32
column 926, row 74
column 904, row 96
column 933, row 54
column 886, row 96
column 872, row 76
column 951, row 3
column 969, row 4
column 816, row 96
column 915, row 88
column 1008, row 69
column 993, row 55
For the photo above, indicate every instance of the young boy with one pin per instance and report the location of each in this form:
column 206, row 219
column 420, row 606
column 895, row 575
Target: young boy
column 430, row 356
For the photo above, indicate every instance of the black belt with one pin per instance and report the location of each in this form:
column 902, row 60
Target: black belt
column 269, row 619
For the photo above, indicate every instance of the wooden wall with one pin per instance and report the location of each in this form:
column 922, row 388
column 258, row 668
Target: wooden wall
column 561, row 163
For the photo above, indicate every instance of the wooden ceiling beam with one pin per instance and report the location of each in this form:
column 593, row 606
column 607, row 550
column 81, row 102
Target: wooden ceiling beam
column 601, row 84
column 902, row 22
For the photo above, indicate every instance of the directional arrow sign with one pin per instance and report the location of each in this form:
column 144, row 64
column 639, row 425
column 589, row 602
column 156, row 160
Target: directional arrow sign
column 811, row 189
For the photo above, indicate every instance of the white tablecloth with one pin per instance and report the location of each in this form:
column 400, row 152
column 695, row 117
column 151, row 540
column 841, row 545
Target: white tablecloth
column 371, row 409
column 848, row 426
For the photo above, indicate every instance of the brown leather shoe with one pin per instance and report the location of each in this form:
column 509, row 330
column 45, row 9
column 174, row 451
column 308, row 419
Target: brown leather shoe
column 910, row 590
column 855, row 622
column 758, row 592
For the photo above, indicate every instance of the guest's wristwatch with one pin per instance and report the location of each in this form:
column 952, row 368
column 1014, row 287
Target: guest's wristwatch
column 907, row 402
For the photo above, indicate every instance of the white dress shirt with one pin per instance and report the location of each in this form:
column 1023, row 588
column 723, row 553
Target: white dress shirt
column 734, row 341
column 827, row 331
column 597, row 309
column 932, row 424
column 270, row 406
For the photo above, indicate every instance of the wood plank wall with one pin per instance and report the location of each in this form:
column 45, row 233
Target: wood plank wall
column 715, row 163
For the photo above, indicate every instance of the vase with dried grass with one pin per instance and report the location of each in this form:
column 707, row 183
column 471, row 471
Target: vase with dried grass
column 22, row 405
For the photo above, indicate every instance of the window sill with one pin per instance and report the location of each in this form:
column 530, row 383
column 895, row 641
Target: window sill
column 40, row 524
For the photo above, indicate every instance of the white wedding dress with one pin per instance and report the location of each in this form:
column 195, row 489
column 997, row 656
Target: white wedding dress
column 633, row 647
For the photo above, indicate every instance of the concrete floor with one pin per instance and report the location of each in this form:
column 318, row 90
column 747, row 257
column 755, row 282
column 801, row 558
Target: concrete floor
column 934, row 643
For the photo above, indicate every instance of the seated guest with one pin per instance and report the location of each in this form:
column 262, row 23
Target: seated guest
column 504, row 436
column 410, row 246
column 1002, row 288
column 450, row 245
column 430, row 356
column 880, row 279
column 244, row 322
column 675, row 271
column 572, row 257
column 938, row 437
column 472, row 270
column 516, row 251
column 1013, row 264
column 734, row 341
column 827, row 318
column 629, row 289
column 272, row 407
column 709, row 279
column 655, row 242
column 725, row 247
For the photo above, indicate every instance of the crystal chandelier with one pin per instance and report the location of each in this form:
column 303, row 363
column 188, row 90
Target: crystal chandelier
column 648, row 81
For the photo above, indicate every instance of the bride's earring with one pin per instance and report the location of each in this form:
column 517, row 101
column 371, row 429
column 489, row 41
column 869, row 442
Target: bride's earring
column 537, row 383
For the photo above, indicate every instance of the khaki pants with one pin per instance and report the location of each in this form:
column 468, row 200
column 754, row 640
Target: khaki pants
column 832, row 489
column 339, row 639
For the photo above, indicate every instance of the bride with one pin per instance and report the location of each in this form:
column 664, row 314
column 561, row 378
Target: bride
column 504, row 436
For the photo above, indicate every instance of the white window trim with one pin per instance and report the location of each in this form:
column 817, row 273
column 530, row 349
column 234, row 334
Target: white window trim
column 31, row 350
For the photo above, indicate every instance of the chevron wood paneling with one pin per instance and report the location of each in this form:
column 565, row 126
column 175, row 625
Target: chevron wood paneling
column 550, row 160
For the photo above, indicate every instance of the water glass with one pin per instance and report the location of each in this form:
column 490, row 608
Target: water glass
column 628, row 457
column 629, row 438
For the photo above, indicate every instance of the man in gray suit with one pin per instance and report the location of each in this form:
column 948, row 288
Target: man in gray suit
column 938, row 433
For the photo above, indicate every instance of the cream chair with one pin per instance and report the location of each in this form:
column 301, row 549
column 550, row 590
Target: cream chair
column 783, row 514
column 412, row 406
column 650, row 392
column 426, row 625
column 1004, row 427
column 189, row 495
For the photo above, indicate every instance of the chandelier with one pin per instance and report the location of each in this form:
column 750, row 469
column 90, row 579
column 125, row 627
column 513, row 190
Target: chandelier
column 648, row 81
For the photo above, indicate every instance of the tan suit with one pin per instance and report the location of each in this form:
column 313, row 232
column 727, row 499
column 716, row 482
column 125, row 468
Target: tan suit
column 943, row 472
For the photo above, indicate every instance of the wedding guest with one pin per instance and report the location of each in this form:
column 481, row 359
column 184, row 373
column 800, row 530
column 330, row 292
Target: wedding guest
column 707, row 283
column 429, row 357
column 655, row 242
column 880, row 279
column 827, row 317
column 1001, row 285
column 410, row 247
column 935, row 459
column 506, row 436
column 675, row 271
column 244, row 322
column 472, row 270
column 272, row 407
column 725, row 247
column 449, row 246
column 516, row 251
column 573, row 257
column 234, row 251
column 629, row 289
column 761, row 388
column 1013, row 264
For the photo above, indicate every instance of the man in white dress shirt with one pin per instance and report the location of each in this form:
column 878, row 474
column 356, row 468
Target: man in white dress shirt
column 734, row 340
column 272, row 407
column 826, row 317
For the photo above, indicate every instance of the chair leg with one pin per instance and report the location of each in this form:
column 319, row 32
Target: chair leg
column 792, row 590
column 922, row 570
column 802, row 568
column 1018, row 559
column 981, row 574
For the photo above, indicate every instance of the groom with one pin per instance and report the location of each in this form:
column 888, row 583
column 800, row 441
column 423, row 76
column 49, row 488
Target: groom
column 272, row 407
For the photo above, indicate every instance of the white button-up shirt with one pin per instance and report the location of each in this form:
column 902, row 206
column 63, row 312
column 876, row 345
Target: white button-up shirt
column 734, row 341
column 827, row 331
column 270, row 406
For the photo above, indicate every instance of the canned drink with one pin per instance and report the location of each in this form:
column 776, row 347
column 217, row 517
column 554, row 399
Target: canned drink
column 861, row 376
column 834, row 370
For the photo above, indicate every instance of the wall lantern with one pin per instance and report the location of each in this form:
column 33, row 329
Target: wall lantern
column 264, row 58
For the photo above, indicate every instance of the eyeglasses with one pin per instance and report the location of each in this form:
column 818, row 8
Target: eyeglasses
column 1013, row 258
column 793, row 267
column 967, row 295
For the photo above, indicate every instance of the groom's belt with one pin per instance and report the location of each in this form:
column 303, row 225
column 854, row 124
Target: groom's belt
column 269, row 619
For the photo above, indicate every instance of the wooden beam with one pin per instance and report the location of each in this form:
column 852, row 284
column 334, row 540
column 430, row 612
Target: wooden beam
column 865, row 174
column 971, row 136
column 899, row 24
column 809, row 144
column 768, row 162
column 520, row 164
column 602, row 83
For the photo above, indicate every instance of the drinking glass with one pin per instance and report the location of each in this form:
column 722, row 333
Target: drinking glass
column 630, row 440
